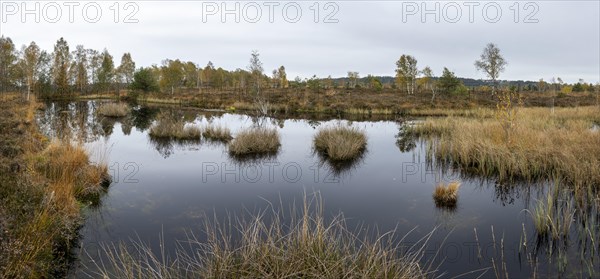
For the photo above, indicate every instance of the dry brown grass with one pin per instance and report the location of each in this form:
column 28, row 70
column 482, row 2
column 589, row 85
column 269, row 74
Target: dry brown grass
column 340, row 143
column 113, row 110
column 446, row 195
column 169, row 126
column 255, row 141
column 42, row 198
column 69, row 167
column 217, row 133
column 357, row 101
column 308, row 246
column 543, row 145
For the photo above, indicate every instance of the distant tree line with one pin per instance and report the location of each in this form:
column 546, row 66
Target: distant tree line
column 63, row 71
column 66, row 71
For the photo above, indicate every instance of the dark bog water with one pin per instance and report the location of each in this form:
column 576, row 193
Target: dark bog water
column 165, row 188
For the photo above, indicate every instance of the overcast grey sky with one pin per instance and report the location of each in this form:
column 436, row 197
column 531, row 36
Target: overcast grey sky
column 544, row 39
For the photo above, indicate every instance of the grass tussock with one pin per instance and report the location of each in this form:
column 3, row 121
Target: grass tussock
column 113, row 110
column 446, row 195
column 41, row 195
column 255, row 141
column 307, row 246
column 340, row 143
column 217, row 133
column 172, row 127
column 542, row 145
column 68, row 165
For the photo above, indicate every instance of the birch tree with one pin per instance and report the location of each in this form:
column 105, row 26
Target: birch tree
column 256, row 70
column 492, row 64
column 429, row 82
column 31, row 65
column 406, row 72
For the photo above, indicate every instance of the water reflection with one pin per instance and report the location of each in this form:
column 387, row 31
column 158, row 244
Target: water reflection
column 253, row 158
column 405, row 139
column 167, row 146
column 126, row 126
column 107, row 124
column 446, row 217
column 70, row 120
column 142, row 117
column 79, row 120
column 340, row 168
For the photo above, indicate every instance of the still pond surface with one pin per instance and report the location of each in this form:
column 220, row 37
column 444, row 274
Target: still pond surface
column 164, row 190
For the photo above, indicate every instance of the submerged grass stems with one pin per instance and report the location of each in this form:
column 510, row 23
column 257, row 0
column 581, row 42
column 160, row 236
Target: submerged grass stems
column 255, row 141
column 446, row 195
column 561, row 221
column 217, row 133
column 543, row 145
column 113, row 110
column 271, row 244
column 554, row 216
column 340, row 143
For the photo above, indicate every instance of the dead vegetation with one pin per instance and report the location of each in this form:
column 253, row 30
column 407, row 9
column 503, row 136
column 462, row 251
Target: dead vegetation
column 255, row 141
column 340, row 143
column 44, row 185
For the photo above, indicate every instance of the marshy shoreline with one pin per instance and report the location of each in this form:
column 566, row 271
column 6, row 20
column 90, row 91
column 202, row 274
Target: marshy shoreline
column 538, row 144
column 343, row 102
column 45, row 184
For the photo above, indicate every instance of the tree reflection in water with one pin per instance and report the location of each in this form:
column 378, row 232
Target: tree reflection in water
column 406, row 139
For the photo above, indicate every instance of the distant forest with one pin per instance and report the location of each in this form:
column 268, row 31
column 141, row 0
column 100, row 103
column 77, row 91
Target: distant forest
column 469, row 82
column 65, row 70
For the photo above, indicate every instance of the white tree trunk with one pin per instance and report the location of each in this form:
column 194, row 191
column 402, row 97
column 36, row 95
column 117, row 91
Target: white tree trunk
column 28, row 87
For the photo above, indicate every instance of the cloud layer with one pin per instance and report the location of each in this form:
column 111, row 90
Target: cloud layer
column 368, row 37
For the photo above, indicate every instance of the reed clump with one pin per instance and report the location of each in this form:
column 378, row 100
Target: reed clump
column 340, row 143
column 255, row 141
column 171, row 127
column 114, row 110
column 446, row 195
column 217, row 133
column 543, row 145
column 308, row 246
